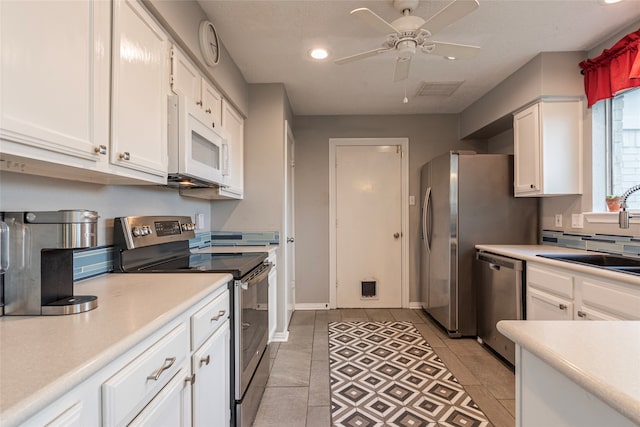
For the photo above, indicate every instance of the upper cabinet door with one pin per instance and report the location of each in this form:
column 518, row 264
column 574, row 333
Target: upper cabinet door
column 212, row 102
column 526, row 130
column 233, row 124
column 54, row 78
column 185, row 77
column 139, row 90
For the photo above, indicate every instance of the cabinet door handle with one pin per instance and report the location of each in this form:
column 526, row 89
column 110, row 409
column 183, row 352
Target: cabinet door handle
column 205, row 360
column 219, row 315
column 208, row 110
column 199, row 103
column 213, row 124
column 168, row 362
column 125, row 156
column 582, row 314
column 562, row 306
column 191, row 379
column 101, row 149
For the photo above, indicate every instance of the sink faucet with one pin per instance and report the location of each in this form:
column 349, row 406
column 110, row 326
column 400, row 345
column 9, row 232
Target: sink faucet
column 623, row 215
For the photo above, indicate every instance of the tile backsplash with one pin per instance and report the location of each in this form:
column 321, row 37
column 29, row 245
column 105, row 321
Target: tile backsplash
column 610, row 243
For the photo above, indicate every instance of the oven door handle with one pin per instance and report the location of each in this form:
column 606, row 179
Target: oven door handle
column 257, row 279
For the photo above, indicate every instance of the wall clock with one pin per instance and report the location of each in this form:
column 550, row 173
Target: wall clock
column 209, row 43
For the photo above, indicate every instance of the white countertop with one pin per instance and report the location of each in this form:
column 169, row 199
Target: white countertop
column 43, row 357
column 600, row 356
column 530, row 253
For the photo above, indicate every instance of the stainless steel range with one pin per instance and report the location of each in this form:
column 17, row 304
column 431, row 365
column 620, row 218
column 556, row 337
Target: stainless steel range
column 160, row 244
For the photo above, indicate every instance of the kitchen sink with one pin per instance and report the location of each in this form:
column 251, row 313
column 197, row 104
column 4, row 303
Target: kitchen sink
column 609, row 262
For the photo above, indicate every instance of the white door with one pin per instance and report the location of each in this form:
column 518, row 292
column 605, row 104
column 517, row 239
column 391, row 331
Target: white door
column 368, row 183
column 290, row 249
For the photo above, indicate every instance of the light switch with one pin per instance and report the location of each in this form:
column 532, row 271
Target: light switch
column 412, row 200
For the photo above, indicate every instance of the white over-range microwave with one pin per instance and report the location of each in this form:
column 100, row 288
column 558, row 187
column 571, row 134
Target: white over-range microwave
column 198, row 147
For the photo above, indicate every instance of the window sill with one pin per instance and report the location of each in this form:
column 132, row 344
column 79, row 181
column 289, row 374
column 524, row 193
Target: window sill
column 608, row 217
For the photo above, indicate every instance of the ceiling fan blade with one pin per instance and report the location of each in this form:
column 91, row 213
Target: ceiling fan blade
column 452, row 50
column 449, row 14
column 402, row 69
column 374, row 20
column 361, row 55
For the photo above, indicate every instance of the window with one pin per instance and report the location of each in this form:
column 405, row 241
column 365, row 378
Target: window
column 616, row 150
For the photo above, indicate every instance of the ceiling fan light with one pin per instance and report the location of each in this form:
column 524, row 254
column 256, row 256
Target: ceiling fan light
column 319, row 53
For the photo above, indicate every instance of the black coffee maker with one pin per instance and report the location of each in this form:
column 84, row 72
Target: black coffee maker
column 36, row 254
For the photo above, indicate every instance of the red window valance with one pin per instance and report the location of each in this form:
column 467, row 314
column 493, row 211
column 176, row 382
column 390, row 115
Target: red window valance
column 614, row 70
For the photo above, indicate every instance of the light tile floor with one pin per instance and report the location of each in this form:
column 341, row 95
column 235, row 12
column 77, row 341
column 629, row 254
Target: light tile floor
column 298, row 393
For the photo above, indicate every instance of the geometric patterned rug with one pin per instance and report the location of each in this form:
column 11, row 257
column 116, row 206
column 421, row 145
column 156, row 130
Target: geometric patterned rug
column 386, row 374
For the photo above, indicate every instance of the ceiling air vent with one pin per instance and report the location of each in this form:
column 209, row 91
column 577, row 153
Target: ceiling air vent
column 438, row 88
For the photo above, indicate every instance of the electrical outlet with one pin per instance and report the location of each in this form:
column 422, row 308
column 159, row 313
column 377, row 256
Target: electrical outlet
column 558, row 220
column 577, row 221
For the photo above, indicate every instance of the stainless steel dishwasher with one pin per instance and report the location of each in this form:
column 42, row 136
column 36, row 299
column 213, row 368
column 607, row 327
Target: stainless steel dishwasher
column 499, row 297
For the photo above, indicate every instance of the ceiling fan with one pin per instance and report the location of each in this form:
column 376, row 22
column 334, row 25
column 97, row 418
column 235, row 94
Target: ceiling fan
column 409, row 33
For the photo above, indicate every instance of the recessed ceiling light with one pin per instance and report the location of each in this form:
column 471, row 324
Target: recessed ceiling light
column 610, row 1
column 450, row 58
column 318, row 53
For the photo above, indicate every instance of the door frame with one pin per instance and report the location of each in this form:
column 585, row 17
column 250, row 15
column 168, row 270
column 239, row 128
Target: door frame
column 288, row 224
column 404, row 216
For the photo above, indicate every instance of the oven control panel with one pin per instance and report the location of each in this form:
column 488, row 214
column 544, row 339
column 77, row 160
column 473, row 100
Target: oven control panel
column 139, row 231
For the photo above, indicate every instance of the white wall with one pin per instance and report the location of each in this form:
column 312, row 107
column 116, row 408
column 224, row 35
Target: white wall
column 429, row 136
column 20, row 192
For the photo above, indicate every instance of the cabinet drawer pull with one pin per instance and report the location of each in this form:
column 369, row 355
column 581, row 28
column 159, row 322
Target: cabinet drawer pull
column 533, row 186
column 199, row 103
column 208, row 110
column 219, row 315
column 582, row 314
column 205, row 360
column 562, row 306
column 213, row 124
column 168, row 362
column 101, row 149
column 191, row 379
column 125, row 156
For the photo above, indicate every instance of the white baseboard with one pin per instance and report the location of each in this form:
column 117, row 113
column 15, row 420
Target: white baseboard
column 280, row 337
column 312, row 306
column 415, row 305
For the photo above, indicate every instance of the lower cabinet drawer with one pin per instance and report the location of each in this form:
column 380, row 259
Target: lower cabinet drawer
column 209, row 318
column 622, row 303
column 130, row 389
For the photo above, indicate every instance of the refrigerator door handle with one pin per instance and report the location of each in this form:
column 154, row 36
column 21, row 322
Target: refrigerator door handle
column 426, row 214
column 4, row 247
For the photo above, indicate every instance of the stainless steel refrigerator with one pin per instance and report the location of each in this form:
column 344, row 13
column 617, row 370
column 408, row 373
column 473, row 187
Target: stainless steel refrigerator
column 467, row 199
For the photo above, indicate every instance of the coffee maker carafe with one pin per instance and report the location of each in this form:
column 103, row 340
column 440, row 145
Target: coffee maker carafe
column 38, row 277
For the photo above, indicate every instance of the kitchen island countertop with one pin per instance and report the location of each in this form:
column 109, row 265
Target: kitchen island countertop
column 43, row 357
column 600, row 356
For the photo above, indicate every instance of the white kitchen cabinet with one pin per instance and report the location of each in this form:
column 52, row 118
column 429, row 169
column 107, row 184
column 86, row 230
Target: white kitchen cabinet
column 557, row 294
column 139, row 91
column 187, row 80
column 233, row 124
column 211, row 366
column 548, row 148
column 54, row 81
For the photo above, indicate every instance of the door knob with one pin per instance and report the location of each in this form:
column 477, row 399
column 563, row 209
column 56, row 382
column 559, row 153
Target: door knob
column 290, row 240
column 396, row 235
